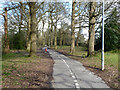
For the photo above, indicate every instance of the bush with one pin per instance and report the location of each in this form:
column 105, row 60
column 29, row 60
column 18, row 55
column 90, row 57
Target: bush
column 18, row 41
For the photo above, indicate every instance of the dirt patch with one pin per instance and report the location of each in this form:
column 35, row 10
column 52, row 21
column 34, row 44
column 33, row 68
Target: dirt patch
column 109, row 75
column 29, row 72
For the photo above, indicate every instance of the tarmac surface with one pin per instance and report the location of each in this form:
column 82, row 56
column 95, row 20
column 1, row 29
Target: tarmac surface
column 68, row 73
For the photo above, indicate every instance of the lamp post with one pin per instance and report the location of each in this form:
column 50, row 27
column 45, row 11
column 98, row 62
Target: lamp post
column 102, row 56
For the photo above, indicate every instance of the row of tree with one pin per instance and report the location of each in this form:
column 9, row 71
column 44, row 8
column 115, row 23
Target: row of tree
column 31, row 24
column 94, row 13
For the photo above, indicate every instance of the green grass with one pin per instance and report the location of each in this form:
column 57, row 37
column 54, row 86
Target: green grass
column 11, row 56
column 12, row 61
column 79, row 51
column 68, row 48
column 63, row 48
column 111, row 57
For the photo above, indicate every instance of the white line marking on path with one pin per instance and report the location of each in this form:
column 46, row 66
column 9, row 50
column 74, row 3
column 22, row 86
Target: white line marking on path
column 73, row 76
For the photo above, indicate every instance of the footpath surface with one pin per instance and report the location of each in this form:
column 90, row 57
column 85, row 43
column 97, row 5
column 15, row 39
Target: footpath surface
column 68, row 73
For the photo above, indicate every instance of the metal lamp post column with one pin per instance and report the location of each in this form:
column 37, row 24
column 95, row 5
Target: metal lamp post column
column 102, row 61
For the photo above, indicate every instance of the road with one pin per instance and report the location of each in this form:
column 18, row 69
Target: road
column 68, row 73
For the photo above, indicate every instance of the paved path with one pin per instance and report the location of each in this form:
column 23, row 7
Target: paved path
column 69, row 73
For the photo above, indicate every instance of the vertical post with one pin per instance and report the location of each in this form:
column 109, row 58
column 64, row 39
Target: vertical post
column 102, row 64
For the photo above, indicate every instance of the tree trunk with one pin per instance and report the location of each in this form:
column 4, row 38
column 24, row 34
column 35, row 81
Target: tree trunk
column 21, row 13
column 55, row 37
column 43, row 35
column 6, row 49
column 78, row 36
column 51, row 29
column 28, row 34
column 64, row 39
column 33, row 46
column 51, row 36
column 72, row 50
column 61, row 37
column 49, row 33
column 91, row 28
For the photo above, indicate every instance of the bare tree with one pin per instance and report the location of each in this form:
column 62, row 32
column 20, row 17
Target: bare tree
column 33, row 46
column 6, row 49
column 43, row 34
column 61, row 35
column 91, row 28
column 28, row 32
column 72, row 49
